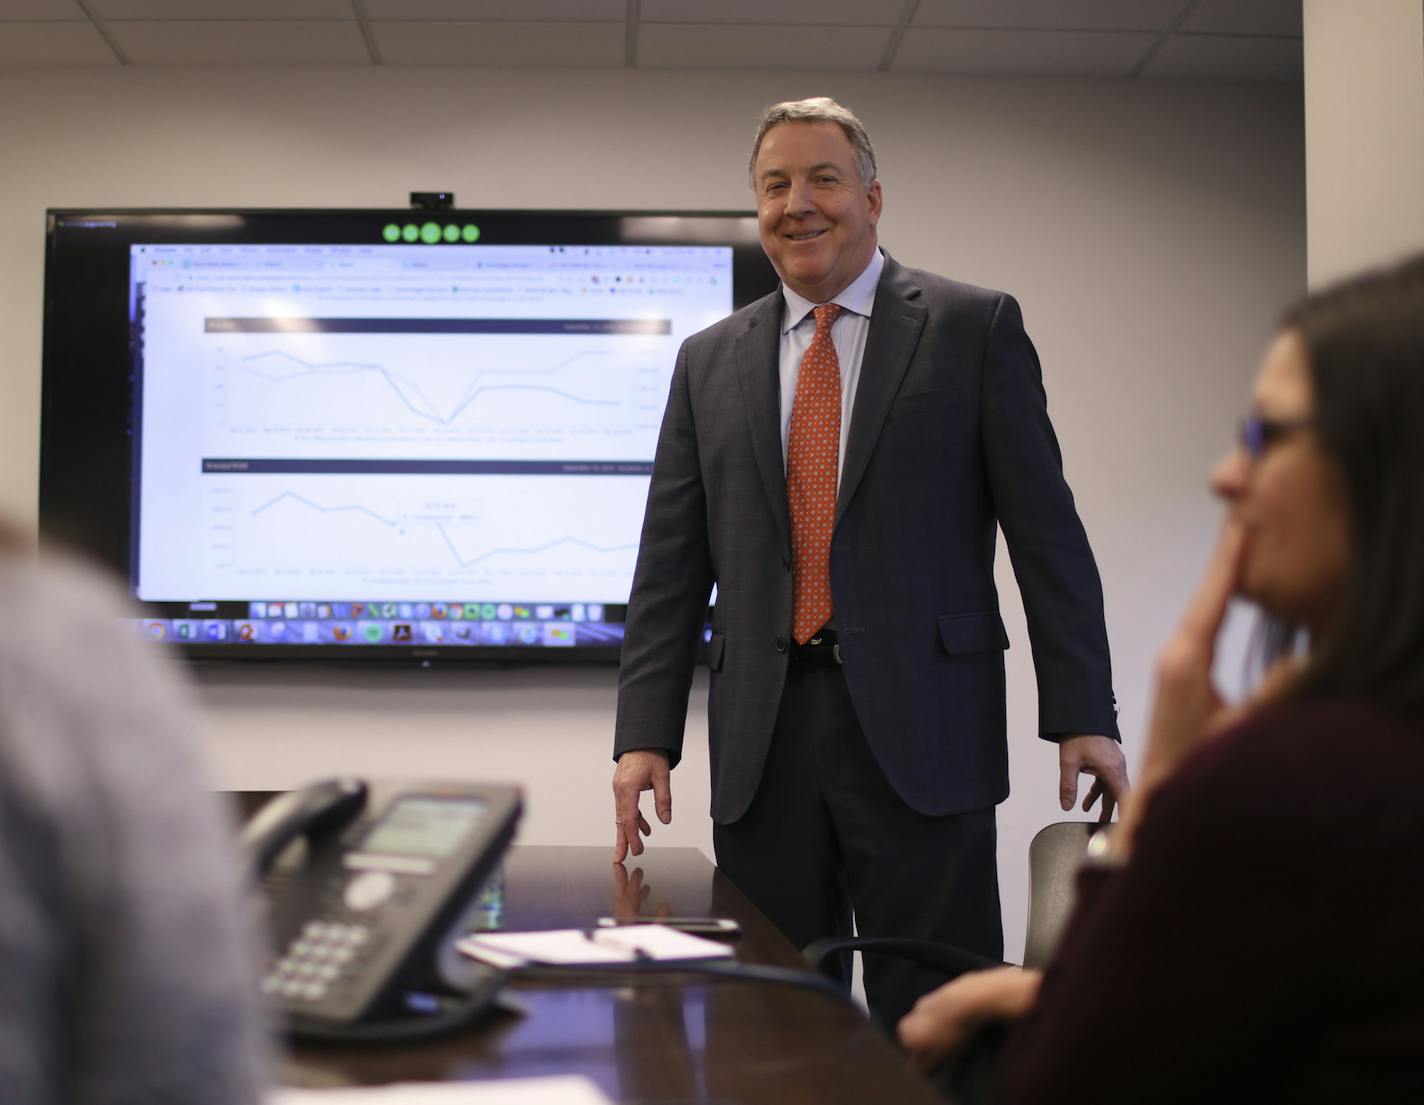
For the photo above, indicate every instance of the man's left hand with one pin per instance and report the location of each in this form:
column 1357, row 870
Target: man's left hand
column 1100, row 757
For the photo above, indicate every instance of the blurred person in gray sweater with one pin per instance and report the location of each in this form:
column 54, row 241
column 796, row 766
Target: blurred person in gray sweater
column 127, row 974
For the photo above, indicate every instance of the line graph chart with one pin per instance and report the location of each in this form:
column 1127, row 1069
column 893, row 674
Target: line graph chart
column 409, row 392
column 405, row 537
column 498, row 396
column 320, row 509
column 323, row 421
column 511, row 550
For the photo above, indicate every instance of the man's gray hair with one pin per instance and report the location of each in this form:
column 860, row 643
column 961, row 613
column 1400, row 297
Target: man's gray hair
column 818, row 109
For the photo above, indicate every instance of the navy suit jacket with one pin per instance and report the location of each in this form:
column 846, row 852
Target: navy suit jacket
column 949, row 437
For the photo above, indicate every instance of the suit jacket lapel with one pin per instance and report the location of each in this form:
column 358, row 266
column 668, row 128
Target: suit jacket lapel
column 896, row 322
column 758, row 353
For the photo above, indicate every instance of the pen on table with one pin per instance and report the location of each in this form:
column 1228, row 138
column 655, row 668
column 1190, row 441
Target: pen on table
column 639, row 955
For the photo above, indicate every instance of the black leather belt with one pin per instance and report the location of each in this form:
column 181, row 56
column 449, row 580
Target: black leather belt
column 821, row 651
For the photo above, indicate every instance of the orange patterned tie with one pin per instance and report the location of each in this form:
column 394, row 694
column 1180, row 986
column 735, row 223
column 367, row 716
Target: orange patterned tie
column 812, row 460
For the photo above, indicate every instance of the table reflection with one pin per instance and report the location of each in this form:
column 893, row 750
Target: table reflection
column 630, row 893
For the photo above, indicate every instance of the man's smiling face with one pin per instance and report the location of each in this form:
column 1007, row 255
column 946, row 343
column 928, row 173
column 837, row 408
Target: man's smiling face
column 817, row 219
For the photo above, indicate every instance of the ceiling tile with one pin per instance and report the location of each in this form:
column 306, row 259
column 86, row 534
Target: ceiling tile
column 1021, row 53
column 687, row 46
column 235, row 10
column 503, row 45
column 217, row 42
column 855, row 13
column 25, row 10
column 53, row 44
column 1229, row 58
column 511, row 11
column 1084, row 15
column 1247, row 17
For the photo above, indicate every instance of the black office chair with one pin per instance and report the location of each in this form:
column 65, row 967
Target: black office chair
column 1054, row 856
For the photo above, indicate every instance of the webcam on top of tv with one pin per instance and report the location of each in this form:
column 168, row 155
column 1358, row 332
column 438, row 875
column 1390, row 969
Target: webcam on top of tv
column 432, row 201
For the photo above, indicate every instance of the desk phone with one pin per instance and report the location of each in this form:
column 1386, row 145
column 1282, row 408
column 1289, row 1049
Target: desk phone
column 367, row 888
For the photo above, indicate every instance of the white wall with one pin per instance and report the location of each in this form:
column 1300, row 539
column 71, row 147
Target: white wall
column 1364, row 115
column 1151, row 231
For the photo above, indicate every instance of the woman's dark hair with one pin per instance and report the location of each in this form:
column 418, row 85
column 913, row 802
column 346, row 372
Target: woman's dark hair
column 1364, row 343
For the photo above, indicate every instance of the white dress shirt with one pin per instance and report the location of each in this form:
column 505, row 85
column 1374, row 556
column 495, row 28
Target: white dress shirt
column 848, row 333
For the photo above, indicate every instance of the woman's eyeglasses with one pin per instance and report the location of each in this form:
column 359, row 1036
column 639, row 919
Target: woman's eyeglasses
column 1258, row 434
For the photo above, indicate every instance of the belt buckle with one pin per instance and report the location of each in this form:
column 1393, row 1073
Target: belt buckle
column 816, row 652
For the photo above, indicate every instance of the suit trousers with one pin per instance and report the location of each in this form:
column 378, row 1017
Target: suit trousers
column 826, row 838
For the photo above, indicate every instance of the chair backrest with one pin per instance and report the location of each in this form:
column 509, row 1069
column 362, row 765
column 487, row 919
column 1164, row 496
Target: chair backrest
column 1054, row 856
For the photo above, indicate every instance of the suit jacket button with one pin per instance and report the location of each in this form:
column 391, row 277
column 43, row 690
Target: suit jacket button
column 781, row 645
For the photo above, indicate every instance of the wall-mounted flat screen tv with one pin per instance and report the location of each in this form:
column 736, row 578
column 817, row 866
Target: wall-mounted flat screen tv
column 371, row 435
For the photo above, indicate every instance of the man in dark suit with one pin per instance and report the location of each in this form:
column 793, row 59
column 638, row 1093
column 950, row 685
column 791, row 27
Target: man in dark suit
column 836, row 458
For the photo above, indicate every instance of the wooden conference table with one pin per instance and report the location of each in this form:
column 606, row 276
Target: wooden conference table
column 661, row 1038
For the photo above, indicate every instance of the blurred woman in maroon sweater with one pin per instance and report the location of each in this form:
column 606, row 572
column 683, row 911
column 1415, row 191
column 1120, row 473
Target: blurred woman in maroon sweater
column 1253, row 932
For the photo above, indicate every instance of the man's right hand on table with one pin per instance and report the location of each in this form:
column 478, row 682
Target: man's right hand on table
column 639, row 770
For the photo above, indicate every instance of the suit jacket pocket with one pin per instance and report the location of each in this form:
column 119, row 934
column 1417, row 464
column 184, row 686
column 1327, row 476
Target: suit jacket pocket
column 715, row 647
column 918, row 401
column 980, row 631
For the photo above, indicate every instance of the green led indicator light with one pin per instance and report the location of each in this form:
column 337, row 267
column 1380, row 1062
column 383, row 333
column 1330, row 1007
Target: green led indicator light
column 471, row 233
column 410, row 232
column 390, row 232
column 430, row 233
column 452, row 233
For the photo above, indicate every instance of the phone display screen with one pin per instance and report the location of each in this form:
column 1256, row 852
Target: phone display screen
column 424, row 826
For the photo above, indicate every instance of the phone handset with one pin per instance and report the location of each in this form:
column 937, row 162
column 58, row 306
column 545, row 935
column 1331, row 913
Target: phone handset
column 363, row 920
column 309, row 811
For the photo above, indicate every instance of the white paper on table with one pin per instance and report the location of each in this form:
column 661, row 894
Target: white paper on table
column 575, row 947
column 569, row 1089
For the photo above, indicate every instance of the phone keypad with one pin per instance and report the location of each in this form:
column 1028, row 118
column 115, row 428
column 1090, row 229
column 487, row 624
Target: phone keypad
column 314, row 961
